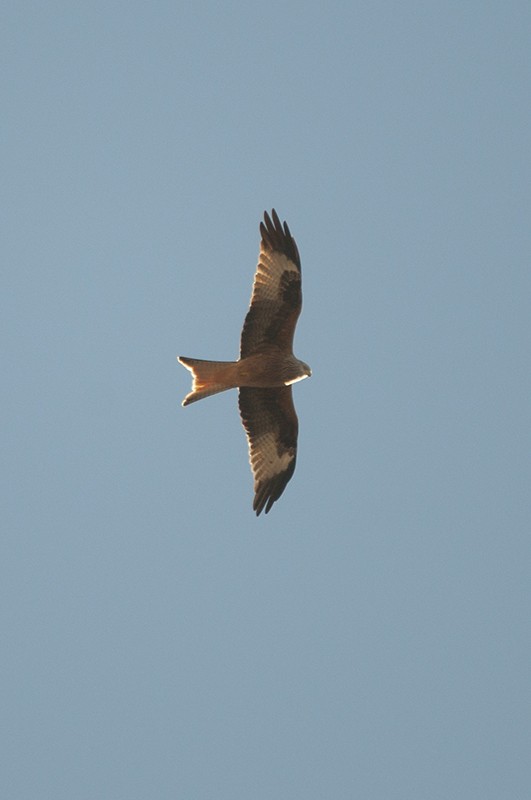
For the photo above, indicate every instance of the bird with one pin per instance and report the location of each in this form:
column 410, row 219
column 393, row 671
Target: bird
column 266, row 368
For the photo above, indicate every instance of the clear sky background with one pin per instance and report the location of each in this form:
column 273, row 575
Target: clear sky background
column 370, row 637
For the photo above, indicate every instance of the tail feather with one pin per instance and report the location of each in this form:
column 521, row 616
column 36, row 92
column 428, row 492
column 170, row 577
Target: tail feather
column 210, row 377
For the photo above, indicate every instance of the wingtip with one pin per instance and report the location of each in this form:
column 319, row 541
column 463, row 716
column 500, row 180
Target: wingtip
column 277, row 236
column 272, row 221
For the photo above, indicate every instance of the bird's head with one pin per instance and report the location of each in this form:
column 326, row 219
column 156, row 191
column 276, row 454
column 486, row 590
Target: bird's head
column 302, row 371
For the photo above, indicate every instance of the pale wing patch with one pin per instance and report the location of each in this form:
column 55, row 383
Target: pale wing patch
column 265, row 459
column 271, row 267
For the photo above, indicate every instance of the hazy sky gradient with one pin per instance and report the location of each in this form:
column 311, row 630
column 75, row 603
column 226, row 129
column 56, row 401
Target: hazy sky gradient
column 369, row 637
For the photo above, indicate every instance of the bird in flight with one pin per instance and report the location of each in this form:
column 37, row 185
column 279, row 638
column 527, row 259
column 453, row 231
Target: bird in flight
column 267, row 367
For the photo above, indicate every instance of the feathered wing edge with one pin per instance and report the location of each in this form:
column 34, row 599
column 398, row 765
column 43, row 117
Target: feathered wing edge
column 276, row 297
column 271, row 425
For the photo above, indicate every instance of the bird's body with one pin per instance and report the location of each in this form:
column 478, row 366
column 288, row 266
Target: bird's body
column 266, row 367
column 261, row 370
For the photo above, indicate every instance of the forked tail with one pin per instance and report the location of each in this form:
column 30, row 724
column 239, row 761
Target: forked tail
column 210, row 377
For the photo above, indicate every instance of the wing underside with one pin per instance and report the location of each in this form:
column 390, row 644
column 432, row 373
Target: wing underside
column 276, row 298
column 271, row 425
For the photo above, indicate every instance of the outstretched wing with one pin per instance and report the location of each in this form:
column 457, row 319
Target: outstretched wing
column 271, row 425
column 276, row 299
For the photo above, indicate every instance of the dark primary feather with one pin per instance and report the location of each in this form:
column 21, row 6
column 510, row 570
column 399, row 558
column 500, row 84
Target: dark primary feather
column 276, row 299
column 279, row 237
column 271, row 425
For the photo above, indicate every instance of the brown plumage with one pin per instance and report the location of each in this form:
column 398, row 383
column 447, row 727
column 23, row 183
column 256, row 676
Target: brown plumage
column 266, row 367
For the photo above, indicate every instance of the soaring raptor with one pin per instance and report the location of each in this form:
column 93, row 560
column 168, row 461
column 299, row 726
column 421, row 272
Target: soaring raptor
column 266, row 367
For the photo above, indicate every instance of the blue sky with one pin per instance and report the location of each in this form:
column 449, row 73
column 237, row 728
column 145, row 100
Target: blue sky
column 370, row 636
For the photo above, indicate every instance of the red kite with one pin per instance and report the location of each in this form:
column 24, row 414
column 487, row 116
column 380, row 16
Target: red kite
column 266, row 367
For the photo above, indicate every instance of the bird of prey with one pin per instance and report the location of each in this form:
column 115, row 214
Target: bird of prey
column 267, row 367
